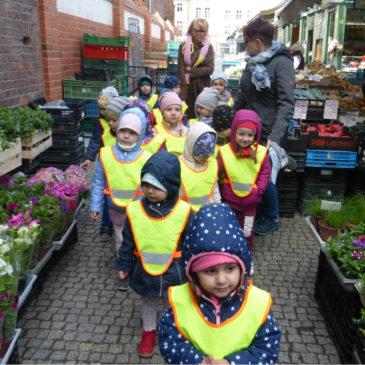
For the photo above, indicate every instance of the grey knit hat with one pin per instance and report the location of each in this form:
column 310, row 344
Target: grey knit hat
column 218, row 74
column 116, row 105
column 208, row 98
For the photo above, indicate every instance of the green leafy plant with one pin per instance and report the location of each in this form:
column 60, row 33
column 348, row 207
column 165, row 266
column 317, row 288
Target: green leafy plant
column 335, row 218
column 360, row 322
column 314, row 207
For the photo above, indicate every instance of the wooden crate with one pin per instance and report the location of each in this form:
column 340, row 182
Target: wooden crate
column 11, row 158
column 33, row 146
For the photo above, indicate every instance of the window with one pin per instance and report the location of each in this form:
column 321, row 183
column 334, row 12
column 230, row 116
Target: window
column 198, row 12
column 179, row 7
column 227, row 29
column 228, row 14
column 238, row 14
column 179, row 24
column 207, row 13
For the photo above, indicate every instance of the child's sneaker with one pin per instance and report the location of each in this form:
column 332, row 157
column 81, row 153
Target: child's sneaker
column 268, row 226
column 123, row 284
column 106, row 233
column 147, row 343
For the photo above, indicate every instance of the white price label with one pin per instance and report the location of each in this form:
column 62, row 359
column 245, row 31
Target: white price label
column 330, row 109
column 328, row 205
column 300, row 109
column 350, row 119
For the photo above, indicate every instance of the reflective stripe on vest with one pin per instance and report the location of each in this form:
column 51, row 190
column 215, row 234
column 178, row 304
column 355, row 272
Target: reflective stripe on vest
column 123, row 177
column 107, row 137
column 157, row 238
column 174, row 144
column 219, row 340
column 154, row 144
column 198, row 185
column 242, row 172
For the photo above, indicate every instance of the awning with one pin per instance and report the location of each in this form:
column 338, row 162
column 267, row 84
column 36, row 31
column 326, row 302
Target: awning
column 292, row 10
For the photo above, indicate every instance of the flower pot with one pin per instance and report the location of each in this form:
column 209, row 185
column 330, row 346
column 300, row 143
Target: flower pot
column 5, row 346
column 43, row 250
column 326, row 231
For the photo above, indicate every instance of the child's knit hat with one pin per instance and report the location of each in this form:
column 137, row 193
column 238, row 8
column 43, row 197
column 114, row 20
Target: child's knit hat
column 218, row 74
column 169, row 98
column 116, row 106
column 130, row 121
column 208, row 98
column 106, row 95
column 171, row 81
column 204, row 145
column 145, row 79
column 222, row 117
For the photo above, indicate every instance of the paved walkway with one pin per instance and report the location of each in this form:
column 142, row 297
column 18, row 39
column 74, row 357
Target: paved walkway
column 79, row 316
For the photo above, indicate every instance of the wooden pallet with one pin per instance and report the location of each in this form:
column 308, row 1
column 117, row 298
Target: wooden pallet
column 37, row 144
column 11, row 158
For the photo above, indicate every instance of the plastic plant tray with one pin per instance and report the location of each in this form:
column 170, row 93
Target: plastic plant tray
column 6, row 357
column 106, row 51
column 92, row 110
column 78, row 209
column 81, row 89
column 120, row 67
column 43, row 262
column 29, row 285
column 121, row 41
column 331, row 158
column 59, row 244
column 314, row 231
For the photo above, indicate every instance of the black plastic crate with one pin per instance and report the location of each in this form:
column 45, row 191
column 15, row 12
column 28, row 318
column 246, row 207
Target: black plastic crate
column 94, row 74
column 299, row 157
column 338, row 306
column 70, row 143
column 307, row 192
column 319, row 175
column 300, row 144
column 63, row 156
column 76, row 111
column 68, row 128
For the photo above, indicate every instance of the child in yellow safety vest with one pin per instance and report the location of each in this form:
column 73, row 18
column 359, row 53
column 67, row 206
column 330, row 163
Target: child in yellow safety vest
column 245, row 170
column 219, row 82
column 206, row 102
column 118, row 173
column 153, row 238
column 170, row 126
column 199, row 169
column 218, row 316
column 145, row 85
column 104, row 135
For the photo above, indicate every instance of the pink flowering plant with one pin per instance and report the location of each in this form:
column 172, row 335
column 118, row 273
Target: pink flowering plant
column 9, row 307
column 77, row 176
column 348, row 250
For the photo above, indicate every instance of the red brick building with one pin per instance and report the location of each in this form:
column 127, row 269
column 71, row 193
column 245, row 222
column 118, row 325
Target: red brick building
column 41, row 41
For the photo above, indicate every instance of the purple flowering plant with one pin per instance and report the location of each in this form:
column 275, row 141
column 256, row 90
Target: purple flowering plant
column 8, row 307
column 348, row 250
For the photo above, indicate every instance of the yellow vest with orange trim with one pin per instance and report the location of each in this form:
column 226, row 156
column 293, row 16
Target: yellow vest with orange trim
column 107, row 137
column 198, row 185
column 123, row 177
column 219, row 340
column 230, row 101
column 184, row 108
column 174, row 144
column 151, row 101
column 157, row 238
column 242, row 172
column 154, row 144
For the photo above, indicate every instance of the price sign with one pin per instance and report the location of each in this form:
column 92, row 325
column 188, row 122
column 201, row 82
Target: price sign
column 330, row 109
column 300, row 109
column 329, row 205
column 350, row 119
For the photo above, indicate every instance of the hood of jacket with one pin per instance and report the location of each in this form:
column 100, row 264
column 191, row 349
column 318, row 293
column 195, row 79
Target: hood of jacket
column 141, row 104
column 141, row 116
column 216, row 229
column 245, row 115
column 165, row 167
column 195, row 131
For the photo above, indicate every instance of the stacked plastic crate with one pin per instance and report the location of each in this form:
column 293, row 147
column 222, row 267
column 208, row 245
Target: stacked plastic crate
column 172, row 57
column 67, row 135
column 100, row 53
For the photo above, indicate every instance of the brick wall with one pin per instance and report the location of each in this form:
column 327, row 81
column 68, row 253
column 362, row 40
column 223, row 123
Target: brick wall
column 21, row 74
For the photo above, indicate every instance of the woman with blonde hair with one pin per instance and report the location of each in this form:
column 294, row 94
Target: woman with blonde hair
column 195, row 63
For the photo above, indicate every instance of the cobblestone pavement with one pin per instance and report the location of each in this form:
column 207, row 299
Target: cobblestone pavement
column 78, row 315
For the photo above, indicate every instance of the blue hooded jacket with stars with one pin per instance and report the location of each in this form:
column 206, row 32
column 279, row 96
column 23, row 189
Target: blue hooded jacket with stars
column 215, row 228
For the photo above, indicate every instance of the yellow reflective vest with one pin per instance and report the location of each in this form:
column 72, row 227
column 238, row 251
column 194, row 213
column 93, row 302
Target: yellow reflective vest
column 198, row 185
column 157, row 238
column 242, row 172
column 151, row 101
column 123, row 177
column 154, row 144
column 174, row 144
column 107, row 137
column 219, row 340
column 230, row 101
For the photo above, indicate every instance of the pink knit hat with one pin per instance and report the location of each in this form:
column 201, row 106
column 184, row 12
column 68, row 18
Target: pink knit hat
column 206, row 260
column 169, row 98
column 130, row 121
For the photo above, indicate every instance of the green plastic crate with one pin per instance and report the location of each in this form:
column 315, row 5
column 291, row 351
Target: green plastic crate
column 88, row 125
column 83, row 89
column 106, row 41
column 122, row 85
column 120, row 68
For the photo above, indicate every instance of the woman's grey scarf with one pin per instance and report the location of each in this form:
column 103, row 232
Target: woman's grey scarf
column 259, row 76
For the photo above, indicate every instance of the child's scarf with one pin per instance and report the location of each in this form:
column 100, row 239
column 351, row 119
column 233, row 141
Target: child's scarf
column 188, row 50
column 259, row 75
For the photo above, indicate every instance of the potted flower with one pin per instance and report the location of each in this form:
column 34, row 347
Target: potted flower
column 8, row 307
column 359, row 346
column 332, row 222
